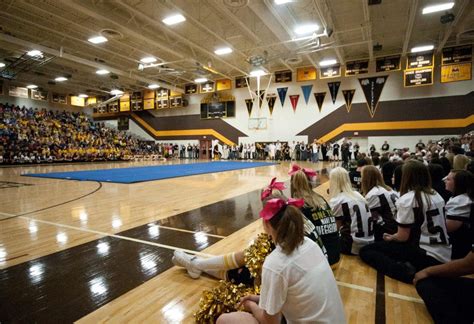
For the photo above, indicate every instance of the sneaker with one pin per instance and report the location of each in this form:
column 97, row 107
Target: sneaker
column 184, row 260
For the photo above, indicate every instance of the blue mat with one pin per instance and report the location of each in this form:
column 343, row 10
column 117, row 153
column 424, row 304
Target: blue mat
column 150, row 173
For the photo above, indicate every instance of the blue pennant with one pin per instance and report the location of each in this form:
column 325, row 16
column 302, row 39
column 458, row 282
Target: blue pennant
column 306, row 91
column 282, row 94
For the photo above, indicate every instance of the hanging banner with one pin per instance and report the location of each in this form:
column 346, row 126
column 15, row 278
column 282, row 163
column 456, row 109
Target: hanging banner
column 176, row 102
column 241, row 82
column 148, row 104
column 207, row 87
column 282, row 94
column 162, row 93
column 18, row 92
column 357, row 67
column 76, row 101
column 283, row 76
column 306, row 74
column 271, row 98
column 372, row 88
column 348, row 96
column 330, row 72
column 334, row 89
column 456, row 72
column 190, row 88
column 59, row 98
column 39, row 95
column 459, row 54
column 294, row 101
column 419, row 60
column 418, row 77
column 249, row 104
column 319, row 96
column 387, row 63
column 306, row 92
column 223, row 84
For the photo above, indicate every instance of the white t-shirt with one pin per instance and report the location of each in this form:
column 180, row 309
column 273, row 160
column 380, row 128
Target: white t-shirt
column 355, row 212
column 382, row 202
column 459, row 208
column 301, row 285
column 431, row 235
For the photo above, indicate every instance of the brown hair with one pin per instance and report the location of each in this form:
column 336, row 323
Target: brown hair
column 371, row 177
column 416, row 177
column 289, row 227
column 301, row 188
column 463, row 183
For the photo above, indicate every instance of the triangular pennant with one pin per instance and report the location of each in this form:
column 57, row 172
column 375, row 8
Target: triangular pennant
column 306, row 92
column 271, row 103
column 282, row 94
column 334, row 89
column 294, row 101
column 348, row 96
column 260, row 97
column 372, row 88
column 319, row 96
column 249, row 103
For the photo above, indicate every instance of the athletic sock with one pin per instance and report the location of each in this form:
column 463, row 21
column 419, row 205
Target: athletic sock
column 221, row 262
column 219, row 274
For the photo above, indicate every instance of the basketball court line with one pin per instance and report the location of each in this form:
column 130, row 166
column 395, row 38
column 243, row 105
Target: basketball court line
column 407, row 298
column 192, row 232
column 348, row 285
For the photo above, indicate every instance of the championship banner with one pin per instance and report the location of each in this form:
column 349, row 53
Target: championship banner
column 148, row 104
column 59, row 98
column 306, row 92
column 260, row 97
column 176, row 102
column 306, row 74
column 294, row 101
column 39, row 95
column 319, row 97
column 207, row 87
column 271, row 98
column 123, row 123
column 357, row 67
column 113, row 107
column 283, row 76
column 149, row 94
column 125, row 102
column 249, row 104
column 372, row 88
column 223, row 84
column 282, row 94
column 459, row 54
column 19, row 92
column 348, row 96
column 388, row 63
column 190, row 88
column 334, row 89
column 330, row 72
column 162, row 103
column 456, row 72
column 75, row 101
column 418, row 77
column 241, row 82
column 162, row 93
column 420, row 60
column 136, row 102
column 91, row 101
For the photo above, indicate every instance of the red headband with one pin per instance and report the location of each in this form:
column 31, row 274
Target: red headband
column 310, row 173
column 273, row 207
column 274, row 185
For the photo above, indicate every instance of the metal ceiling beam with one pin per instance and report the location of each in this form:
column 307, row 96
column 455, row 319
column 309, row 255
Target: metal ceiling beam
column 368, row 28
column 326, row 18
column 178, row 36
column 411, row 21
column 464, row 8
column 73, row 58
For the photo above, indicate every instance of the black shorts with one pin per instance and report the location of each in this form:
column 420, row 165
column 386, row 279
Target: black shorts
column 240, row 275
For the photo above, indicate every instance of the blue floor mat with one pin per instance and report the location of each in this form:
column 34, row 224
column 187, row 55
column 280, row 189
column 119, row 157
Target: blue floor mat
column 150, row 173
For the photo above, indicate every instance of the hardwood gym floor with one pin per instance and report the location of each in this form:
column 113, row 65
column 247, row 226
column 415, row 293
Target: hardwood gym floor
column 101, row 252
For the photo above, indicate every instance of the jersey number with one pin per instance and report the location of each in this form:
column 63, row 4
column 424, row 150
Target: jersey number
column 435, row 229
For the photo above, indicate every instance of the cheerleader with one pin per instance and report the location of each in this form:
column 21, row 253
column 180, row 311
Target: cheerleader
column 381, row 199
column 351, row 212
column 421, row 238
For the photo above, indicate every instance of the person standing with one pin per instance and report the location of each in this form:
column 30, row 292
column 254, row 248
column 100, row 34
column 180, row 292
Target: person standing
column 315, row 151
column 324, row 150
column 385, row 147
column 335, row 151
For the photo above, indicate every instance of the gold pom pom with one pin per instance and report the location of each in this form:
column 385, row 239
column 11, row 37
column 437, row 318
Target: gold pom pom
column 255, row 255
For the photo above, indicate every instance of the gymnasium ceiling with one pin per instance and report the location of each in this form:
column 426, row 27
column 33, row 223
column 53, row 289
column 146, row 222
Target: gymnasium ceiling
column 258, row 31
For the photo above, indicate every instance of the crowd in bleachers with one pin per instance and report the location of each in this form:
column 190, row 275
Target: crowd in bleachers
column 29, row 135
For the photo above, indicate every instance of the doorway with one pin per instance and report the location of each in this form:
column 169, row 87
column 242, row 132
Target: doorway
column 205, row 148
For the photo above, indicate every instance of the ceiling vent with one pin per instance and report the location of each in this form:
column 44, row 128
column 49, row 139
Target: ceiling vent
column 111, row 33
column 293, row 60
column 236, row 3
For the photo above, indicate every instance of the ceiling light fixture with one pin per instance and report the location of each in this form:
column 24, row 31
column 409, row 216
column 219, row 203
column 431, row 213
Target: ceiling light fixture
column 257, row 73
column 327, row 62
column 438, row 7
column 116, row 92
column 32, row 86
column 200, row 80
column 97, row 39
column 306, row 29
column 223, row 51
column 102, row 72
column 280, row 2
column 148, row 59
column 60, row 79
column 174, row 19
column 153, row 86
column 82, row 95
column 34, row 53
column 422, row 48
column 2, row 64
